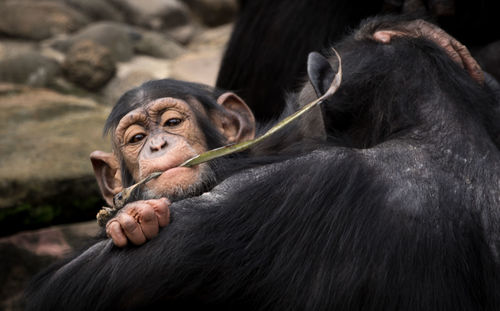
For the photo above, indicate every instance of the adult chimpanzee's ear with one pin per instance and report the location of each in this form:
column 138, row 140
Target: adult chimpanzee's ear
column 238, row 122
column 320, row 72
column 107, row 173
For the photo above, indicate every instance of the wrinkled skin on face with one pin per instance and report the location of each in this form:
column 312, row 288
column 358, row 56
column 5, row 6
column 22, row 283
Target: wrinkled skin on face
column 158, row 138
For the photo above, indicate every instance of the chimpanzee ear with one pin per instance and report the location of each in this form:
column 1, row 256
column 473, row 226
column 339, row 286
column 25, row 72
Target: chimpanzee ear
column 237, row 122
column 320, row 72
column 107, row 173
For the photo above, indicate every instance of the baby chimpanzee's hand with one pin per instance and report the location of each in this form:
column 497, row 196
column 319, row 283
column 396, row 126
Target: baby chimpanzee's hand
column 138, row 222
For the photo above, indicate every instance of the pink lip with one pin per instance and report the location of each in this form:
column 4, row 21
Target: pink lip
column 173, row 170
column 170, row 169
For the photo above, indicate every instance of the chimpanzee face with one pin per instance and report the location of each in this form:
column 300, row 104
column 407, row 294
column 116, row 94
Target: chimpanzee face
column 159, row 137
column 160, row 133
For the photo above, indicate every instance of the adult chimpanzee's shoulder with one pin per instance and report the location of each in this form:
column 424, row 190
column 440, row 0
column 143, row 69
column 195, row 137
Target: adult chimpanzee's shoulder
column 284, row 173
column 408, row 170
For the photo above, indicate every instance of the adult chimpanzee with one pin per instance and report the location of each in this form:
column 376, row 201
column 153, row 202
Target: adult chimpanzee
column 397, row 211
column 266, row 55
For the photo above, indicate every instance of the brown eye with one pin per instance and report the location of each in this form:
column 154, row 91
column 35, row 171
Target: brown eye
column 173, row 122
column 136, row 138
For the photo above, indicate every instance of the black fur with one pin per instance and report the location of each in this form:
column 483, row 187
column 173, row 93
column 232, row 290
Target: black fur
column 398, row 210
column 266, row 55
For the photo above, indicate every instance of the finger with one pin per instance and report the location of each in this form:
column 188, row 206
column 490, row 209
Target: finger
column 131, row 228
column 469, row 62
column 115, row 232
column 451, row 52
column 162, row 211
column 148, row 221
column 385, row 36
column 441, row 38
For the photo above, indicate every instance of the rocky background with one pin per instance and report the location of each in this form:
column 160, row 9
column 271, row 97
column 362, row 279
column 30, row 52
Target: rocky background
column 63, row 64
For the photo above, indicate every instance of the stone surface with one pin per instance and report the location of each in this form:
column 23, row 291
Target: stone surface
column 29, row 68
column 202, row 63
column 24, row 254
column 45, row 172
column 155, row 14
column 97, row 9
column 11, row 48
column 212, row 38
column 213, row 12
column 198, row 66
column 154, row 44
column 133, row 74
column 182, row 34
column 38, row 20
column 89, row 64
column 119, row 38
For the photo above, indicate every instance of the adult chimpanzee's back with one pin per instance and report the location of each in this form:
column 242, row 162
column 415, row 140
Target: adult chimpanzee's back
column 271, row 39
column 397, row 211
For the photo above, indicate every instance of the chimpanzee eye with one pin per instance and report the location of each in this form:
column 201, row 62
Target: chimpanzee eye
column 136, row 138
column 173, row 122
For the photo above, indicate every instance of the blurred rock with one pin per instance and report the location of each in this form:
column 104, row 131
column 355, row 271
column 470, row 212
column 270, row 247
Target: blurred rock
column 119, row 38
column 89, row 64
column 47, row 51
column 213, row 12
column 212, row 38
column 29, row 68
column 133, row 74
column 202, row 63
column 122, row 40
column 201, row 66
column 38, row 20
column 24, row 254
column 46, row 140
column 182, row 34
column 155, row 14
column 10, row 48
column 97, row 9
column 118, row 86
column 154, row 44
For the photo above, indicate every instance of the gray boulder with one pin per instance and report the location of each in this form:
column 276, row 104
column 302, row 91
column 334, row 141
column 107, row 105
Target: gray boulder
column 213, row 12
column 97, row 9
column 198, row 66
column 201, row 63
column 89, row 65
column 155, row 14
column 38, row 20
column 92, row 9
column 156, row 45
column 30, row 68
column 183, row 34
column 10, row 48
column 133, row 73
column 120, row 85
column 46, row 140
column 119, row 38
column 122, row 40
column 26, row 253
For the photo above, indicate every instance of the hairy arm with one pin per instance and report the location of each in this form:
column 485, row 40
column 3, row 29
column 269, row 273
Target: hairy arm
column 216, row 243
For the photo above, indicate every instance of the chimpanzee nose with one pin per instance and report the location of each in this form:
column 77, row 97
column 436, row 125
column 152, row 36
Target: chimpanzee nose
column 158, row 143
